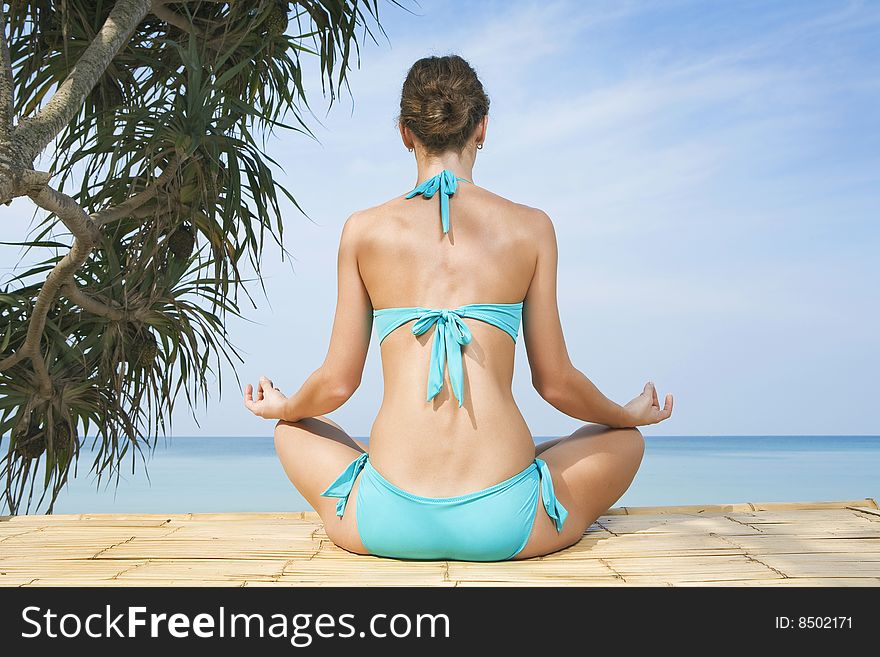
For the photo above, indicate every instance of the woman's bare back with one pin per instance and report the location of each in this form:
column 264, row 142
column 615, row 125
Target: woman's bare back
column 488, row 256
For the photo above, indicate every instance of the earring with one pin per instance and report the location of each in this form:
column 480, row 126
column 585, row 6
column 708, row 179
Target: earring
column 480, row 146
column 410, row 150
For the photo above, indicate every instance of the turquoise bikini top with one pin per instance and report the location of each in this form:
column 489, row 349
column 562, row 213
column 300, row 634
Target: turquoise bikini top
column 451, row 333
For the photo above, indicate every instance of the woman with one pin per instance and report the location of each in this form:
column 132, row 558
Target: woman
column 456, row 476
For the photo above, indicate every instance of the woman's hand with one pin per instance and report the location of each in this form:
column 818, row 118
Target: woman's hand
column 645, row 409
column 269, row 404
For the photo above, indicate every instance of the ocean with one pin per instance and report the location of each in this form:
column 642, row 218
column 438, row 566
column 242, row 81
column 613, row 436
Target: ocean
column 205, row 474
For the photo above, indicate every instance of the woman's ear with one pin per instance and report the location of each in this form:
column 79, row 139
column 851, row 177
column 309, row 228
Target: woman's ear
column 483, row 125
column 406, row 136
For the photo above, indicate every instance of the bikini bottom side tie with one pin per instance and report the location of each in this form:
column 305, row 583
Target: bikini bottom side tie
column 341, row 488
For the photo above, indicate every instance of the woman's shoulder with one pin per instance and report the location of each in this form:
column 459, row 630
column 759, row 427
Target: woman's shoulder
column 526, row 219
column 529, row 216
column 529, row 221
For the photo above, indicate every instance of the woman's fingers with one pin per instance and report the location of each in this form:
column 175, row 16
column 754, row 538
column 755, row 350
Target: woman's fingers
column 667, row 407
column 253, row 398
column 249, row 398
column 651, row 392
column 264, row 385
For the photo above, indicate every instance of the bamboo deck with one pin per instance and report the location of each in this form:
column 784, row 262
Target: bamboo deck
column 751, row 544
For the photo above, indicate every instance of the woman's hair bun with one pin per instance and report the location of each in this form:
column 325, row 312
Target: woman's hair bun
column 442, row 102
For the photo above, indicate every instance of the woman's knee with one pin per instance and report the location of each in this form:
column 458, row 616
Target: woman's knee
column 632, row 440
column 284, row 430
column 627, row 441
column 280, row 430
column 629, row 447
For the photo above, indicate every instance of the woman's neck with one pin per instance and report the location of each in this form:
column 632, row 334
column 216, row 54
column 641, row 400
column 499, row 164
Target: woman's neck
column 459, row 164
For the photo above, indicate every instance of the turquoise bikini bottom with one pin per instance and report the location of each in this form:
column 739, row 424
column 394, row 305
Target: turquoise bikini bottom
column 493, row 524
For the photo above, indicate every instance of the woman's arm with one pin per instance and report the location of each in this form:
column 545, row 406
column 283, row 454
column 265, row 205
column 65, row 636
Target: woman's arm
column 554, row 376
column 335, row 381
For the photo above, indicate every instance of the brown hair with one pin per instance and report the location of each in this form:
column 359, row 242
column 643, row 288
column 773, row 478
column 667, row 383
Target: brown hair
column 442, row 102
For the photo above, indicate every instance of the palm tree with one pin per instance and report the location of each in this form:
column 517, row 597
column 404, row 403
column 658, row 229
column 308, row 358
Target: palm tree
column 155, row 109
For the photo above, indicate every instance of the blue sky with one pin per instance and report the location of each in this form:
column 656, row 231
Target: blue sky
column 713, row 172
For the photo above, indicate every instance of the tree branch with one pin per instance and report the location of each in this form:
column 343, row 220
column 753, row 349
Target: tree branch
column 37, row 322
column 6, row 106
column 42, row 372
column 86, row 234
column 127, row 207
column 73, row 292
column 69, row 212
column 86, row 231
column 37, row 131
column 12, row 359
column 173, row 18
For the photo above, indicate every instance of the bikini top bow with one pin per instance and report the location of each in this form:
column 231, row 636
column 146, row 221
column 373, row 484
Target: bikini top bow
column 451, row 334
column 446, row 183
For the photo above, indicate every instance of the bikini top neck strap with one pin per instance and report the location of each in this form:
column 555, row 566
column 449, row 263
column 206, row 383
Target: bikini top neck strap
column 446, row 183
